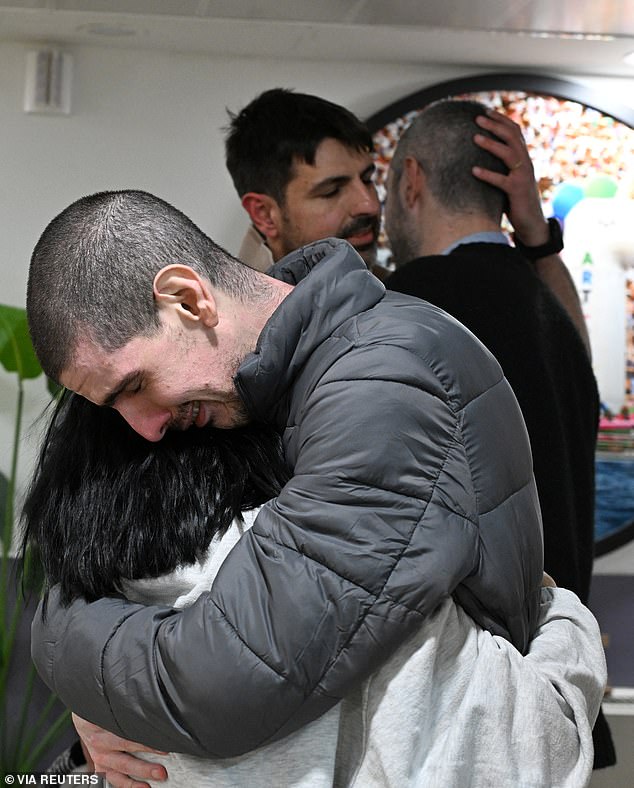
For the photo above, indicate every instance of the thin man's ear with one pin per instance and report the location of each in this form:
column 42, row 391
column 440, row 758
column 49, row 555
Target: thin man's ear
column 414, row 180
column 264, row 212
column 181, row 288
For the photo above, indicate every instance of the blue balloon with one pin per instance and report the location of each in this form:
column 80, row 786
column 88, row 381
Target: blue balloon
column 565, row 196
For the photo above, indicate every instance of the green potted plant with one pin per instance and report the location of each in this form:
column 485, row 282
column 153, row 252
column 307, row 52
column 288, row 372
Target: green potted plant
column 28, row 733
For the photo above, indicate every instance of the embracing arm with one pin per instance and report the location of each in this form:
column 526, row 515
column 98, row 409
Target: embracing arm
column 184, row 680
column 568, row 650
column 378, row 525
column 300, row 611
column 525, row 210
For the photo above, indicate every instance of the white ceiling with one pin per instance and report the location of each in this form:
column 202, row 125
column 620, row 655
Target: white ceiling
column 586, row 36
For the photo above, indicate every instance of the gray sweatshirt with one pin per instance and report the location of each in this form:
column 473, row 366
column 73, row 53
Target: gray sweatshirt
column 454, row 707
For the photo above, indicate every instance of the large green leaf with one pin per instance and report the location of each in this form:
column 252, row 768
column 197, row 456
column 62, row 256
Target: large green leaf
column 16, row 350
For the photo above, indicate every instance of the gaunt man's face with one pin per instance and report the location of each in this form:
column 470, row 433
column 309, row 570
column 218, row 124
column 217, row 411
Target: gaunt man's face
column 174, row 379
column 335, row 197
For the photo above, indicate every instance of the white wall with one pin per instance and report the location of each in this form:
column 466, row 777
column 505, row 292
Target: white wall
column 152, row 120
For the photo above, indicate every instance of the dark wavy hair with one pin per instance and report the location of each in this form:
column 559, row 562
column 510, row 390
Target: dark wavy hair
column 279, row 128
column 105, row 504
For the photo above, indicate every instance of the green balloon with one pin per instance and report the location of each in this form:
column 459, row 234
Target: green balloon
column 600, row 186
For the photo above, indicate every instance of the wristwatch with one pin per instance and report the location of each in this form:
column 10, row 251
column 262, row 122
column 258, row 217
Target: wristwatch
column 553, row 245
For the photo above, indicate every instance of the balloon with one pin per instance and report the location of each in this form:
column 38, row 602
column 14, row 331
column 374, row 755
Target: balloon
column 564, row 197
column 600, row 186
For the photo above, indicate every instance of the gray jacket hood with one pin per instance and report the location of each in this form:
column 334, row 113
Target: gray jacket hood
column 339, row 285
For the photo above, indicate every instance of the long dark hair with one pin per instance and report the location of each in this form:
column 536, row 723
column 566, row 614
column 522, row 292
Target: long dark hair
column 105, row 504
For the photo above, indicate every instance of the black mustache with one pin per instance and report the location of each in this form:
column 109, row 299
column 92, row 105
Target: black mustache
column 361, row 225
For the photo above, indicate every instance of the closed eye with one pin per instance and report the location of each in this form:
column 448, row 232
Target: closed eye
column 131, row 383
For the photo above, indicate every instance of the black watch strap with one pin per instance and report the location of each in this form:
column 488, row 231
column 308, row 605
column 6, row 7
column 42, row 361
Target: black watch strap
column 553, row 245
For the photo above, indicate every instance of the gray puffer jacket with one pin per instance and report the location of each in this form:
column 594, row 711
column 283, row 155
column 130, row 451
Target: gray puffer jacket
column 412, row 481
